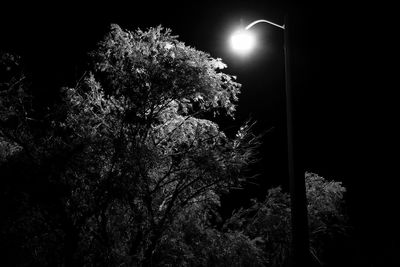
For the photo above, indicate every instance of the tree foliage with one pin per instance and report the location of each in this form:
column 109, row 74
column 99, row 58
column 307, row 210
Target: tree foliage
column 128, row 148
column 269, row 221
column 127, row 168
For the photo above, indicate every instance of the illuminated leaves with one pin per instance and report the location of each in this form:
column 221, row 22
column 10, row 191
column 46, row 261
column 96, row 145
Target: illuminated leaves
column 270, row 219
column 149, row 66
column 130, row 146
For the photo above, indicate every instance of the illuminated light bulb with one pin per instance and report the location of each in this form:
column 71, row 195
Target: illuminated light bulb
column 242, row 41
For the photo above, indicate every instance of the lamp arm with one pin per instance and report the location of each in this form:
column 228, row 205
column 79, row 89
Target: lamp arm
column 266, row 21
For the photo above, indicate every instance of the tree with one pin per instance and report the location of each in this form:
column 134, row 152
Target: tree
column 129, row 149
column 150, row 151
column 269, row 221
column 128, row 166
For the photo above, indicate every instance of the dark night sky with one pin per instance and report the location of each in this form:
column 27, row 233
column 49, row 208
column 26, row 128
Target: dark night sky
column 342, row 69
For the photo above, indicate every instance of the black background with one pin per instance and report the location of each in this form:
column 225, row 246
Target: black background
column 344, row 78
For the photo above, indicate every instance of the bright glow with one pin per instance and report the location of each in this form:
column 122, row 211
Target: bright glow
column 242, row 41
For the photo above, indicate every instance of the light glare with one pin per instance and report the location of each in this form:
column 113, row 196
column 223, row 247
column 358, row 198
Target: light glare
column 242, row 41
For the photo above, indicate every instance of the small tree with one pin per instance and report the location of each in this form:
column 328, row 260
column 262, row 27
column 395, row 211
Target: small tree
column 269, row 221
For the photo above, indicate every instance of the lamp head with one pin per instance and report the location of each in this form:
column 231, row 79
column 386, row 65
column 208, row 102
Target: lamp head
column 242, row 41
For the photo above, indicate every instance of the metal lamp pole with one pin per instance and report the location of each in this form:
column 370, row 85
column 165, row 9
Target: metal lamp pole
column 299, row 221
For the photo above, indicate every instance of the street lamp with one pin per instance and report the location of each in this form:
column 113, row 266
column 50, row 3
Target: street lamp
column 243, row 41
